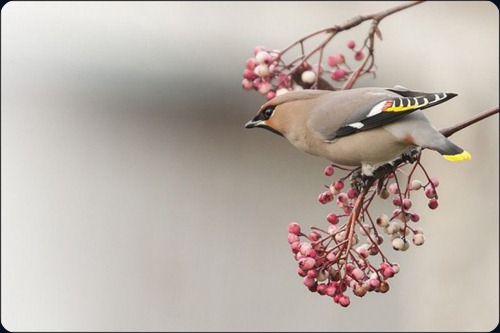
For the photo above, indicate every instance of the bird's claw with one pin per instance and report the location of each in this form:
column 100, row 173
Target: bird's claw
column 359, row 181
column 411, row 155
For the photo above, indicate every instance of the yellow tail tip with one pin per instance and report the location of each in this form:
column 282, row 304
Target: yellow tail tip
column 463, row 156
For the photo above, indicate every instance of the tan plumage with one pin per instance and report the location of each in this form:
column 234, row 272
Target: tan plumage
column 359, row 127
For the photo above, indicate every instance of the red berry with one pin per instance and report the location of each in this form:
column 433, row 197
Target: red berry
column 251, row 63
column 430, row 192
column 352, row 193
column 332, row 218
column 321, row 288
column 434, row 181
column 415, row 217
column 325, row 197
column 336, row 59
column 248, row 74
column 396, row 201
column 309, row 282
column 338, row 184
column 314, row 236
column 359, row 55
column 338, row 74
column 294, row 228
column 407, row 203
column 351, row 44
column 433, row 204
column 344, row 301
column 329, row 170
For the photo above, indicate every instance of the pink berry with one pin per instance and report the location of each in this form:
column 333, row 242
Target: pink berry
column 304, row 247
column 270, row 95
column 430, row 192
column 338, row 74
column 332, row 218
column 393, row 188
column 329, row 170
column 264, row 88
column 339, row 184
column 258, row 49
column 347, row 209
column 342, row 199
column 294, row 228
column 388, row 272
column 251, row 63
column 262, row 57
column 344, row 301
column 396, row 201
column 433, row 204
column 248, row 74
column 363, row 252
column 292, row 238
column 336, row 59
column 352, row 193
column 330, row 290
column 311, row 254
column 321, row 288
column 351, row 44
column 262, row 70
column 415, row 217
column 357, row 274
column 295, row 247
column 314, row 236
column 374, row 283
column 309, row 282
column 325, row 197
column 383, row 220
column 312, row 273
column 247, row 84
column 434, row 181
column 307, row 263
column 407, row 203
column 359, row 55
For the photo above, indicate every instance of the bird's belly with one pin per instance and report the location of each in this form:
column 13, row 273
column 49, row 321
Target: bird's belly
column 372, row 147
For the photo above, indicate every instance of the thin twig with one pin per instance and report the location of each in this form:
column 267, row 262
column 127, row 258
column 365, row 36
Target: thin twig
column 449, row 131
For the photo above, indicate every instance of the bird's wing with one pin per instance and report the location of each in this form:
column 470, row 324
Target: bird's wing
column 373, row 109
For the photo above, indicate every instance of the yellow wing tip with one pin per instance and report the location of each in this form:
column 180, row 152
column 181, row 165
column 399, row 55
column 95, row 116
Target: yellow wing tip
column 463, row 156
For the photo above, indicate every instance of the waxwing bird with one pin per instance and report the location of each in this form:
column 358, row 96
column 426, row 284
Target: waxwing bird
column 364, row 127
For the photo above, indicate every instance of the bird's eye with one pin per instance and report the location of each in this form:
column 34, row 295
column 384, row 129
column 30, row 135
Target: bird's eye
column 268, row 112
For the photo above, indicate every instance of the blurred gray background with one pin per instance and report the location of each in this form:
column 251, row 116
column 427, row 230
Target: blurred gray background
column 134, row 200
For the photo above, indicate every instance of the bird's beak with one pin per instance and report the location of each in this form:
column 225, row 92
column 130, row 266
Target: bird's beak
column 254, row 123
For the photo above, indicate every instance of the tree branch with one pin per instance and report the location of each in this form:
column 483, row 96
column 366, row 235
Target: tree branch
column 449, row 131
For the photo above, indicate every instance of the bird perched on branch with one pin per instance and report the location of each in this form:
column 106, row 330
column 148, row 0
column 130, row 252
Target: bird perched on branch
column 365, row 127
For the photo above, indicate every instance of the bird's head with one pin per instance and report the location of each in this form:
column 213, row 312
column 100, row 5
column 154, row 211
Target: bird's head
column 285, row 111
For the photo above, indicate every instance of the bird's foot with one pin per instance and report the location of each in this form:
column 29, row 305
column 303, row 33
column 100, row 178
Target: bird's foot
column 411, row 155
column 359, row 181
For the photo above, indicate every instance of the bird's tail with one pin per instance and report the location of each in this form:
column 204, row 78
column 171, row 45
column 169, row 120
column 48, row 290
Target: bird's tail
column 451, row 151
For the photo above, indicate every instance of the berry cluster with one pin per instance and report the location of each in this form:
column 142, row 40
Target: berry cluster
column 270, row 75
column 349, row 255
